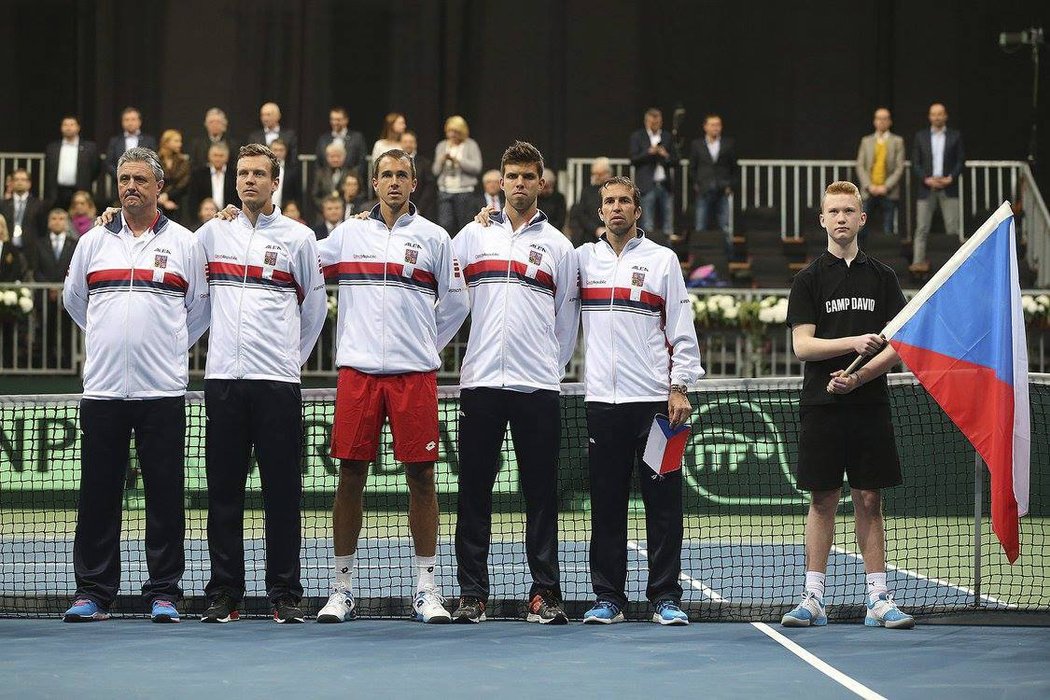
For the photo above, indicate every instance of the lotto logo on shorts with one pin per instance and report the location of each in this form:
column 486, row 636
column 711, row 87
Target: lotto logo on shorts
column 535, row 257
column 637, row 279
column 270, row 258
column 431, row 445
column 160, row 261
column 411, row 256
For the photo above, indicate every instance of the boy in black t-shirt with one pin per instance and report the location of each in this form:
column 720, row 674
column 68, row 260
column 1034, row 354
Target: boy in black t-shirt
column 837, row 308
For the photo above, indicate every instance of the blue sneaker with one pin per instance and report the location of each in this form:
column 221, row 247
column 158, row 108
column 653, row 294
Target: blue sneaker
column 668, row 613
column 603, row 613
column 164, row 611
column 810, row 612
column 883, row 612
column 85, row 610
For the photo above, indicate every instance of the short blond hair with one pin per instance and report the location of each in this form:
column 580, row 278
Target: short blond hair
column 841, row 187
column 459, row 124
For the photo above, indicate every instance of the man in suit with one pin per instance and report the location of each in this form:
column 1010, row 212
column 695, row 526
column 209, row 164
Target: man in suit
column 654, row 159
column 712, row 171
column 70, row 164
column 491, row 194
column 216, row 130
column 425, row 196
column 354, row 200
column 23, row 213
column 880, row 166
column 131, row 137
column 353, row 142
column 552, row 202
column 331, row 216
column 54, row 252
column 328, row 178
column 289, row 186
column 215, row 180
column 270, row 118
column 937, row 158
column 584, row 221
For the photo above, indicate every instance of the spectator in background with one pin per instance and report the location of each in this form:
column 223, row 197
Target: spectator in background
column 328, row 179
column 215, row 180
column 292, row 211
column 457, row 163
column 270, row 118
column 354, row 200
column 290, row 184
column 12, row 261
column 23, row 213
column 937, row 158
column 425, row 196
column 654, row 158
column 215, row 131
column 54, row 252
column 9, row 180
column 353, row 142
column 712, row 170
column 552, row 202
column 71, row 163
column 394, row 127
column 880, row 166
column 206, row 211
column 176, row 175
column 584, row 221
column 82, row 212
column 331, row 216
column 491, row 195
column 131, row 137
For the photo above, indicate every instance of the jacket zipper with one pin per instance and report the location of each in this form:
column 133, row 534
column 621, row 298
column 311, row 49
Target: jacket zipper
column 240, row 303
column 133, row 259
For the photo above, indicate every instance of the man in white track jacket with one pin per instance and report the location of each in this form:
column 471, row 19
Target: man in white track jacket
column 642, row 354
column 401, row 300
column 138, row 289
column 522, row 277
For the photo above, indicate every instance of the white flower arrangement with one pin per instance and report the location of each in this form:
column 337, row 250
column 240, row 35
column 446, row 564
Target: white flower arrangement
column 15, row 303
column 728, row 311
column 1036, row 309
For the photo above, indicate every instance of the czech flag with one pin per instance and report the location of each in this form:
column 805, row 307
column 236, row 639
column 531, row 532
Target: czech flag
column 963, row 337
column 666, row 446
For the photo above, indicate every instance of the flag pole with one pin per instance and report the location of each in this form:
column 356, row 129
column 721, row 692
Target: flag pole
column 978, row 506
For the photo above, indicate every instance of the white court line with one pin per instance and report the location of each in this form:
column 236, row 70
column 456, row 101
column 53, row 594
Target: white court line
column 706, row 590
column 917, row 575
column 827, row 669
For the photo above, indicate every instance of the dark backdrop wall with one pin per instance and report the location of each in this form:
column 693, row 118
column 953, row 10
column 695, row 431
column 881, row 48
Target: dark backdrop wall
column 791, row 80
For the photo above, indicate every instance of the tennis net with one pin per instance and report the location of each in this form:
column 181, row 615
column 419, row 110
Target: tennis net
column 742, row 559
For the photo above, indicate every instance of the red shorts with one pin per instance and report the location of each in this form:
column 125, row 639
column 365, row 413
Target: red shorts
column 363, row 401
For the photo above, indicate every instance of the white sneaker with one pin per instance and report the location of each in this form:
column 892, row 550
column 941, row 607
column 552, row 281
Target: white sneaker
column 428, row 606
column 339, row 608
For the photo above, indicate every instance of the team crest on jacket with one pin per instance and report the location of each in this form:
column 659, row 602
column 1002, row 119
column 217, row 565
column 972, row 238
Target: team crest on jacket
column 637, row 279
column 535, row 257
column 270, row 258
column 160, row 261
column 411, row 256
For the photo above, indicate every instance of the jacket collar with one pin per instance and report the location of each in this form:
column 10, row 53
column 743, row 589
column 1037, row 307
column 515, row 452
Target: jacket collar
column 115, row 226
column 403, row 220
column 631, row 244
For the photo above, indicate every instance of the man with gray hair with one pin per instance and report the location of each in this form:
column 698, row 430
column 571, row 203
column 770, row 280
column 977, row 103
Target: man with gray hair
column 216, row 130
column 144, row 272
column 329, row 177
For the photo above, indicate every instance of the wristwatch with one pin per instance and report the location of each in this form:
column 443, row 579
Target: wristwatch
column 680, row 388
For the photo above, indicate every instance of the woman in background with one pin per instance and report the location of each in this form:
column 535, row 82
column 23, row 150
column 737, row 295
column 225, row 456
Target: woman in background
column 176, row 174
column 457, row 162
column 390, row 137
column 82, row 212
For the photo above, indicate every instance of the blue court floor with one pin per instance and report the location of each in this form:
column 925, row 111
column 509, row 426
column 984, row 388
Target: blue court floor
column 397, row 659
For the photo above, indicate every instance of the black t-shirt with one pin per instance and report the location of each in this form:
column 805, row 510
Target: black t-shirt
column 843, row 300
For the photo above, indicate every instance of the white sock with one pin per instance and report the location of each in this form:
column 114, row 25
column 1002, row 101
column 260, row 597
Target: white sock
column 344, row 572
column 425, row 566
column 815, row 583
column 876, row 584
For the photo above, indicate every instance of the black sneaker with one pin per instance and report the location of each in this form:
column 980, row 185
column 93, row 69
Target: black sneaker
column 222, row 609
column 470, row 609
column 287, row 610
column 545, row 608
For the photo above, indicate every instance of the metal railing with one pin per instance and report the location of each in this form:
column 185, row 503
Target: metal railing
column 792, row 188
column 47, row 342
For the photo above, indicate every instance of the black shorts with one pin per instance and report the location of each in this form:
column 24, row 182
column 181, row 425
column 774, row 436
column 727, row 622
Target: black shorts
column 855, row 439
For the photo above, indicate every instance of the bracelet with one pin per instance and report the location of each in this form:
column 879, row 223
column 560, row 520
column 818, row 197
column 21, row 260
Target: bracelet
column 680, row 389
